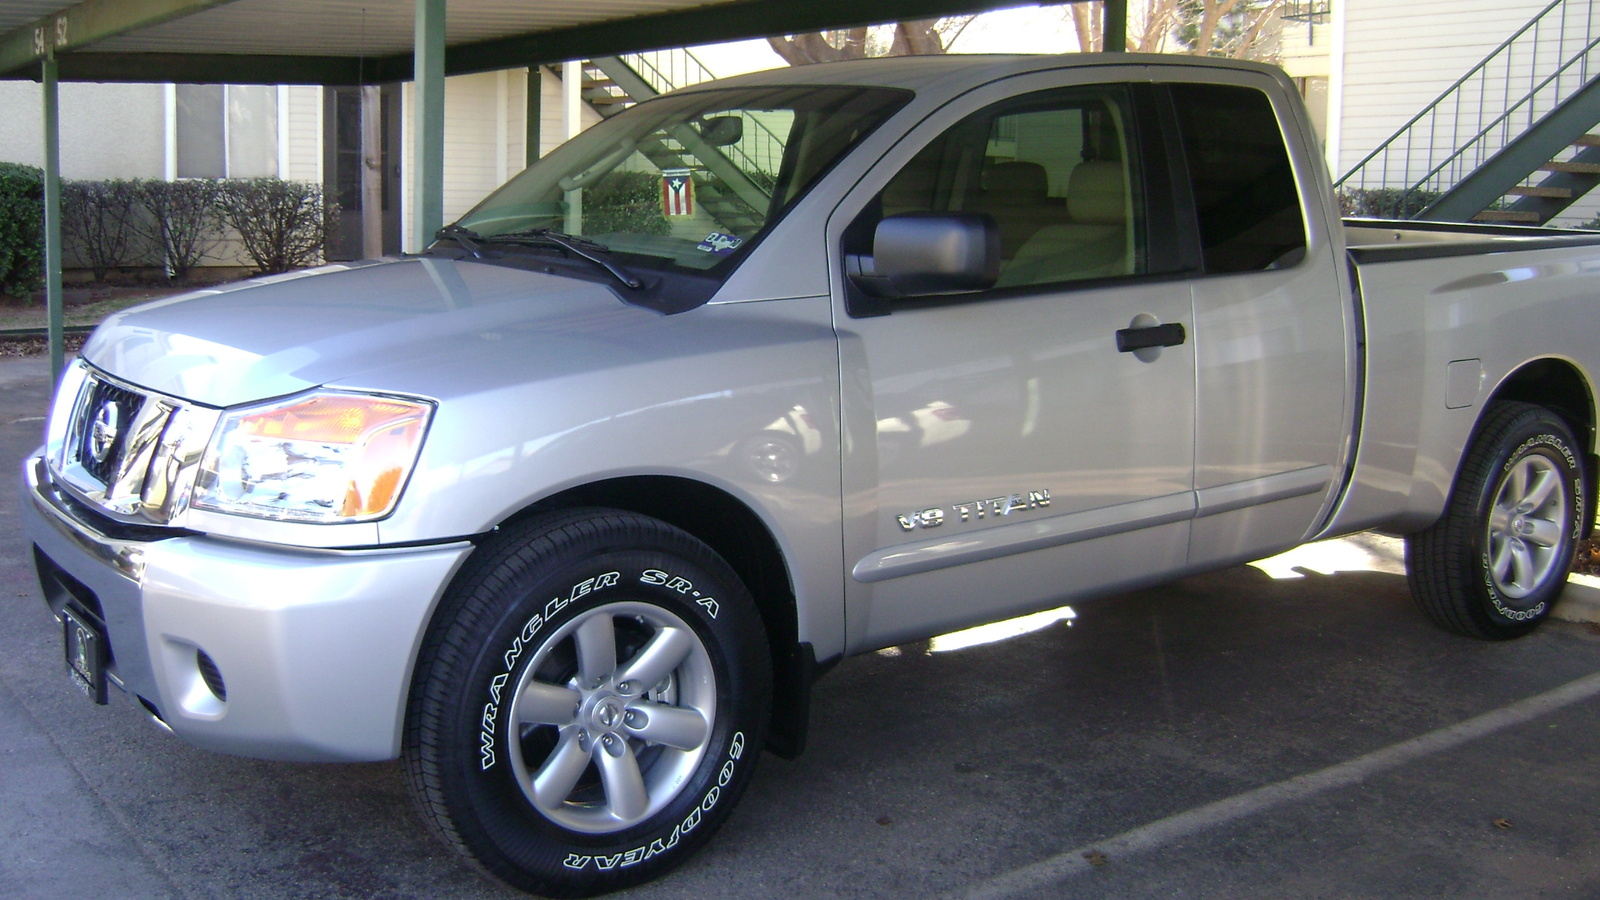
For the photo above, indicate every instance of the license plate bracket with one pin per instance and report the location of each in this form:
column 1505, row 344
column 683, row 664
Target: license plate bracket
column 84, row 644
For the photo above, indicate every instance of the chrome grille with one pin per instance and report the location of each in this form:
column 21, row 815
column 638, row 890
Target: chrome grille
column 99, row 449
column 127, row 452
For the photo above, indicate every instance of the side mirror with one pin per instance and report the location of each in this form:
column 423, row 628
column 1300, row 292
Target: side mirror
column 923, row 253
column 722, row 131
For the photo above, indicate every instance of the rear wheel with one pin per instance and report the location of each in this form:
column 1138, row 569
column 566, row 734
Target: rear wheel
column 589, row 703
column 1494, row 564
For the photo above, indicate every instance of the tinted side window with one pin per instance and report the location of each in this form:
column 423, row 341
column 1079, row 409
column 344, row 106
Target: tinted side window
column 1058, row 172
column 1244, row 189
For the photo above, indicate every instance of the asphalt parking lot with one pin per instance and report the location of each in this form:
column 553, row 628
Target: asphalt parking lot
column 1293, row 729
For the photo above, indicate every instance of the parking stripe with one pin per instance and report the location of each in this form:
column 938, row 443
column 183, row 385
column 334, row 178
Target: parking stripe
column 1040, row 875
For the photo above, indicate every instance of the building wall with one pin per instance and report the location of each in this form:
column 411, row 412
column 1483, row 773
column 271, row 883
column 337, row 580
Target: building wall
column 107, row 130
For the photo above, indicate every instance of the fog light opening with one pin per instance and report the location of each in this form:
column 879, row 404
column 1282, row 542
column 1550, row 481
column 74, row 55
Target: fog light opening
column 211, row 674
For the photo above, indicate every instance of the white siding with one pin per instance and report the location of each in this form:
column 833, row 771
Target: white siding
column 304, row 129
column 1400, row 56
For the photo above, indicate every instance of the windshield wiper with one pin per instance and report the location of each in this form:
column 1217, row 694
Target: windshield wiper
column 466, row 237
column 587, row 249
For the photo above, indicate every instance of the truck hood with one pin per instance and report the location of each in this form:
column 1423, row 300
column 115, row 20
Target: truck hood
column 271, row 337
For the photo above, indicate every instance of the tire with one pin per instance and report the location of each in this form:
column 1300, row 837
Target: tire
column 1494, row 564
column 588, row 704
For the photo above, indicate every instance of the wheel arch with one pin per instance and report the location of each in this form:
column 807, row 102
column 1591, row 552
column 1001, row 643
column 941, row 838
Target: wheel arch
column 1559, row 386
column 731, row 528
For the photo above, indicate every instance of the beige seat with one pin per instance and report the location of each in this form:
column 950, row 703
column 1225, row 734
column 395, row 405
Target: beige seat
column 1017, row 194
column 1094, row 244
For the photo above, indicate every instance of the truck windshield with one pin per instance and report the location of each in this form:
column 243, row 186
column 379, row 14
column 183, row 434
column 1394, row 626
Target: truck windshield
column 687, row 180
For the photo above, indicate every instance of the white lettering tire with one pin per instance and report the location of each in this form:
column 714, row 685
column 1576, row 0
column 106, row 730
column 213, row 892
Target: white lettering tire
column 588, row 704
column 1495, row 562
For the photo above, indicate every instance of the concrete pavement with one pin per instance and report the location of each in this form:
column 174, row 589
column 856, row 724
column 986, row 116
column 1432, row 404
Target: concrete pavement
column 1292, row 729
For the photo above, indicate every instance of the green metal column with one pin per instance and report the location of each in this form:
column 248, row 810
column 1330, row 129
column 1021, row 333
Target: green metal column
column 52, row 216
column 1116, row 26
column 428, row 180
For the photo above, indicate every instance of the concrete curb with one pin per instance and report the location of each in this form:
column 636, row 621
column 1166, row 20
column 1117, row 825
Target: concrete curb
column 1580, row 602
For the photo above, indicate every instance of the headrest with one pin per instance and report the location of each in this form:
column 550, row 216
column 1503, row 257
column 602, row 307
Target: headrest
column 1018, row 182
column 1095, row 195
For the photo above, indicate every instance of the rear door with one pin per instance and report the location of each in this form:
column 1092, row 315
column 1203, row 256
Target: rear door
column 1274, row 329
column 1002, row 454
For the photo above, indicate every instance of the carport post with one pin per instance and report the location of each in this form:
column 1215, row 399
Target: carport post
column 52, row 215
column 428, row 182
column 1116, row 26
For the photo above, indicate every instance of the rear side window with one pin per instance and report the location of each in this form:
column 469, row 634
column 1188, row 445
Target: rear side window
column 1244, row 189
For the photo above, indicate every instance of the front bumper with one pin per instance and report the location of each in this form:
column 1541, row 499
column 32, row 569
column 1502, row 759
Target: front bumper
column 313, row 647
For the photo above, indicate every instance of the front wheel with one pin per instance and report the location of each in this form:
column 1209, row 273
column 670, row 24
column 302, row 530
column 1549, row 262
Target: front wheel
column 589, row 703
column 1494, row 564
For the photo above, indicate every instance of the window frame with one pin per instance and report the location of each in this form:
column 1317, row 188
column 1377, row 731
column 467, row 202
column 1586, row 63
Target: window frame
column 1170, row 253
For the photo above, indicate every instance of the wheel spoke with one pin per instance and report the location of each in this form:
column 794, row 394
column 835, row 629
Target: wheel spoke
column 665, row 652
column 1521, row 564
column 1501, row 563
column 679, row 727
column 597, row 649
column 1516, row 486
column 1544, row 482
column 1545, row 533
column 547, row 704
column 560, row 773
column 624, row 784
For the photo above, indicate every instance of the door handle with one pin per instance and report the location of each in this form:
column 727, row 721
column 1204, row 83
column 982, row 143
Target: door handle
column 1131, row 339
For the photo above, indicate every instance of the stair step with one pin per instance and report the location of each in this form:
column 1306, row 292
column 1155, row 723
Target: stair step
column 609, row 100
column 1575, row 168
column 1588, row 140
column 1538, row 191
column 599, row 83
column 1506, row 215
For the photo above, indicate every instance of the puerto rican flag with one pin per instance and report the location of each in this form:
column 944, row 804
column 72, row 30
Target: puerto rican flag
column 677, row 193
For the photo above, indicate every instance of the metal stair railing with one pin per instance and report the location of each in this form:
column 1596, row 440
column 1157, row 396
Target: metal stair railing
column 1486, row 109
column 761, row 151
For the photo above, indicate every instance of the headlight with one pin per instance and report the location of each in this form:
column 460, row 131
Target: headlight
column 328, row 457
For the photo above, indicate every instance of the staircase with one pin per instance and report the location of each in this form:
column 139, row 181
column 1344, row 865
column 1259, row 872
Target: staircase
column 1513, row 141
column 739, row 195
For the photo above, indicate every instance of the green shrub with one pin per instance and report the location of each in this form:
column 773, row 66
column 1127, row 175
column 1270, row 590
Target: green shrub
column 627, row 202
column 282, row 225
column 21, row 229
column 1385, row 203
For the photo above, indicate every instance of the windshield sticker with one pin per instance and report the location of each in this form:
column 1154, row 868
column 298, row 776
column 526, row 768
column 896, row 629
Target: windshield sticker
column 719, row 243
column 677, row 193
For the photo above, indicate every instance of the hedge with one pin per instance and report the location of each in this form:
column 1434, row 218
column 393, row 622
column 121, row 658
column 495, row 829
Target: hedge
column 21, row 229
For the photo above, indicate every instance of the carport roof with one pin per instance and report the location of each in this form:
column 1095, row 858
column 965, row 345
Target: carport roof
column 371, row 41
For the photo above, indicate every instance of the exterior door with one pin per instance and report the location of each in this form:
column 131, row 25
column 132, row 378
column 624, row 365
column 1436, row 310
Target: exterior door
column 1003, row 453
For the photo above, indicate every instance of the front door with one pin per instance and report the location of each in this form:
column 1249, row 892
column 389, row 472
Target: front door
column 1003, row 454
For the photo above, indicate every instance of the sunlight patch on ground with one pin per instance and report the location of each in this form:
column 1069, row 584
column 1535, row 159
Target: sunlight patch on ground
column 1000, row 631
column 1357, row 553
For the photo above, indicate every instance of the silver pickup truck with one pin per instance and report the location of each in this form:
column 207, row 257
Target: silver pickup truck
column 569, row 511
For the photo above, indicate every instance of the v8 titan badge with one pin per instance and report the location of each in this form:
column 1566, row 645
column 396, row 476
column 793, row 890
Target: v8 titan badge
column 86, row 654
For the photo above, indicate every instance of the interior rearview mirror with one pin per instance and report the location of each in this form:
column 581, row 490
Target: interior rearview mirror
column 722, row 131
